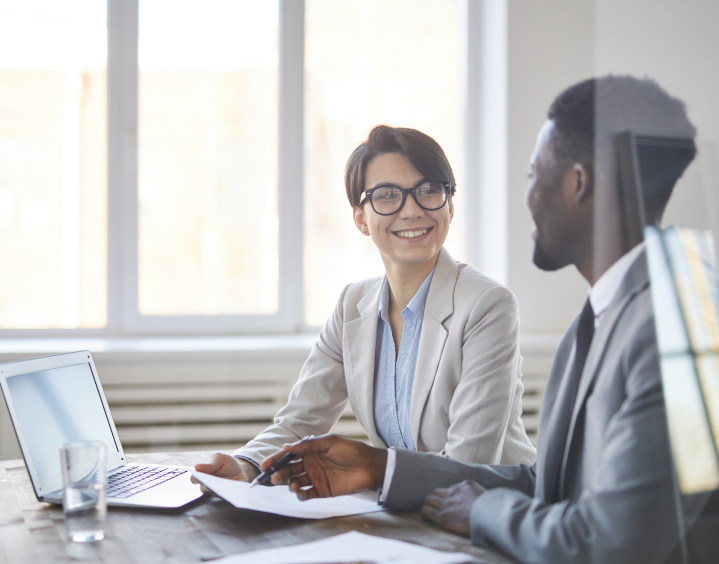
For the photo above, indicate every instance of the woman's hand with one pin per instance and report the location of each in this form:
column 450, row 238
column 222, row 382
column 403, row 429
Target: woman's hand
column 330, row 466
column 450, row 507
column 226, row 466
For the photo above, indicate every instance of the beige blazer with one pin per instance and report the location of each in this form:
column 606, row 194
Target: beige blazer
column 466, row 397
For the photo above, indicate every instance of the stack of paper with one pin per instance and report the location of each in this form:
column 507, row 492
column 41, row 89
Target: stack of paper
column 351, row 547
column 281, row 501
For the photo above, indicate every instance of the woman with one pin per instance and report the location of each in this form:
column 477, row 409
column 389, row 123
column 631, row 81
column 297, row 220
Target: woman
column 428, row 355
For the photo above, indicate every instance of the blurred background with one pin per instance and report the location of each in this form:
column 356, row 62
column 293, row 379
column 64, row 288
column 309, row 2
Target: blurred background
column 171, row 177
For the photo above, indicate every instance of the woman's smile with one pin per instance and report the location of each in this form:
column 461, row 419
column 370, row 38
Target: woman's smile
column 413, row 234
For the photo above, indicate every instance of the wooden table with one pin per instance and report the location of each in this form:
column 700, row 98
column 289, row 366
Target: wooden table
column 33, row 532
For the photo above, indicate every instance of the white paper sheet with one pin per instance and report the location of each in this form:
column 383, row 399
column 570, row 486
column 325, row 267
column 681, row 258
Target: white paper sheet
column 350, row 547
column 281, row 501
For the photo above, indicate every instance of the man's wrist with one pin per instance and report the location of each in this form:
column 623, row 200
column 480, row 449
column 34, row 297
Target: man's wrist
column 378, row 466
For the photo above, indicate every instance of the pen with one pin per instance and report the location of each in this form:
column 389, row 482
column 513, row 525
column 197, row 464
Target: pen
column 264, row 478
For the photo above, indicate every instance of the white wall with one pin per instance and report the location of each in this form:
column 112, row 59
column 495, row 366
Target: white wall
column 677, row 44
column 551, row 45
column 555, row 43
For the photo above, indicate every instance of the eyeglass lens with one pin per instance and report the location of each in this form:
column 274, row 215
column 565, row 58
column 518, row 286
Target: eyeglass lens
column 388, row 199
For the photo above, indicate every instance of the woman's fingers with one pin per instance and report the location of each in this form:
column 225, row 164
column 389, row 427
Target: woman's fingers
column 212, row 467
column 204, row 468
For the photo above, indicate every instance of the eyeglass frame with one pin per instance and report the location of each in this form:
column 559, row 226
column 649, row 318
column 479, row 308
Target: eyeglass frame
column 368, row 195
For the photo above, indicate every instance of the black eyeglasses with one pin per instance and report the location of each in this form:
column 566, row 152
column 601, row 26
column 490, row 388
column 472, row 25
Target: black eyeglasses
column 388, row 199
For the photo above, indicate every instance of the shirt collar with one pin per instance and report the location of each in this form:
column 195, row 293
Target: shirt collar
column 416, row 304
column 604, row 289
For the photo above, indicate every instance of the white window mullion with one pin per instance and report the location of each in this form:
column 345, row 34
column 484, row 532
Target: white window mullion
column 122, row 104
column 486, row 135
column 291, row 161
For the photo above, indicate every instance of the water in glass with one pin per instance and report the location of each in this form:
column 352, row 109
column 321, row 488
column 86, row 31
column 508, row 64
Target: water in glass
column 85, row 509
column 84, row 494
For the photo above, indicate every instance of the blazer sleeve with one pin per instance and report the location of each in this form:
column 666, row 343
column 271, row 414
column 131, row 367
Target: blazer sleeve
column 486, row 407
column 627, row 514
column 417, row 474
column 316, row 401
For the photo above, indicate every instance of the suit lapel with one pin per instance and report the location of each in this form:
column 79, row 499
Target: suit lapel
column 554, row 426
column 439, row 306
column 635, row 280
column 360, row 336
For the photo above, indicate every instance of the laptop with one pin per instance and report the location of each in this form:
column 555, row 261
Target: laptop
column 59, row 399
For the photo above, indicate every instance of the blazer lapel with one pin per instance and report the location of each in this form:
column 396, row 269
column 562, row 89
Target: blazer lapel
column 439, row 306
column 360, row 340
column 557, row 408
column 635, row 280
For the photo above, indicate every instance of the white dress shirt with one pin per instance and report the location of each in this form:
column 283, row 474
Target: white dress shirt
column 604, row 289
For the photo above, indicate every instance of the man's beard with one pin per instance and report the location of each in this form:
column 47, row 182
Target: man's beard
column 543, row 261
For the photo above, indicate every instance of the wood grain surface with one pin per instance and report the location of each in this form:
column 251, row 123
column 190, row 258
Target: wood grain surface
column 33, row 532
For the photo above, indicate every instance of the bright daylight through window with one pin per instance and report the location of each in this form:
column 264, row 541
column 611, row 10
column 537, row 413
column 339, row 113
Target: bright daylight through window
column 53, row 164
column 207, row 154
column 393, row 62
column 154, row 186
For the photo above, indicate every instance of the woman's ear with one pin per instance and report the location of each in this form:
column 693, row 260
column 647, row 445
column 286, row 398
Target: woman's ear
column 451, row 209
column 360, row 220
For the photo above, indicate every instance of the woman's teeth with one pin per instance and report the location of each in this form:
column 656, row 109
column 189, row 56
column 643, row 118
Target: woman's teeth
column 412, row 234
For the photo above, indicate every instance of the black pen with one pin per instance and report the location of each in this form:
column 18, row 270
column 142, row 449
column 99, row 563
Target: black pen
column 264, row 478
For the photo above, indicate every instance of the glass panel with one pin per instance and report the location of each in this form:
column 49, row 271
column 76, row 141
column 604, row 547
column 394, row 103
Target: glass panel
column 397, row 62
column 53, row 164
column 208, row 119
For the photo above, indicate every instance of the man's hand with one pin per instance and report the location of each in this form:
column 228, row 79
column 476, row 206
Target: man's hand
column 331, row 466
column 225, row 466
column 450, row 507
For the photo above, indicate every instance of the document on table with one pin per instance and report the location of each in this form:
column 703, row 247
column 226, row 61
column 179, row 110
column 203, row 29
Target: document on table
column 351, row 547
column 281, row 501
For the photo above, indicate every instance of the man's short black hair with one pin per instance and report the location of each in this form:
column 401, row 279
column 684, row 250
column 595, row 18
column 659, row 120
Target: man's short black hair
column 650, row 111
column 573, row 113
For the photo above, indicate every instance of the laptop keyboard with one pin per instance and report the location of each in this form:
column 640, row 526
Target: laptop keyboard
column 132, row 480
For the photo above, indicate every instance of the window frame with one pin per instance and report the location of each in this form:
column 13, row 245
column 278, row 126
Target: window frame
column 485, row 117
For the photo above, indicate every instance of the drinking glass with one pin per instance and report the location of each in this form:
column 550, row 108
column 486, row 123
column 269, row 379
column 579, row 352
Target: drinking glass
column 84, row 489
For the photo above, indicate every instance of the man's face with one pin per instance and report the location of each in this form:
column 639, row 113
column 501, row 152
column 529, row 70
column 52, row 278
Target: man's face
column 545, row 200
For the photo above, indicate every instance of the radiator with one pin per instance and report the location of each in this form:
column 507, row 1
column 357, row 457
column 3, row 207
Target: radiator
column 165, row 401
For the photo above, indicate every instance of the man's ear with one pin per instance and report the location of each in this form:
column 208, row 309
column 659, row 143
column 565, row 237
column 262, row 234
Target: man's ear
column 577, row 184
column 583, row 183
column 360, row 220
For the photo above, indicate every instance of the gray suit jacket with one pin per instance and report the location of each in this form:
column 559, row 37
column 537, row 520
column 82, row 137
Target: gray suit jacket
column 601, row 489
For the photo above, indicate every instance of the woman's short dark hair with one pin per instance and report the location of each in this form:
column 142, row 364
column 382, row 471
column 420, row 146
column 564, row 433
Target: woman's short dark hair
column 420, row 149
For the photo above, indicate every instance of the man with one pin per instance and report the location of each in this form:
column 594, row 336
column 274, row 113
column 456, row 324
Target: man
column 601, row 489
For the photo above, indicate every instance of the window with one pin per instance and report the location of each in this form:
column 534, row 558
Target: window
column 207, row 157
column 367, row 63
column 53, row 164
column 177, row 167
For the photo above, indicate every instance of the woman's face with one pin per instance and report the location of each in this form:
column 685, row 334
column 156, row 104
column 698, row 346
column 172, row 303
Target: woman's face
column 412, row 235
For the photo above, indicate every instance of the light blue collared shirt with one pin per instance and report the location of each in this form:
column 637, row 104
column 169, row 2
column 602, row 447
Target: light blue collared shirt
column 393, row 380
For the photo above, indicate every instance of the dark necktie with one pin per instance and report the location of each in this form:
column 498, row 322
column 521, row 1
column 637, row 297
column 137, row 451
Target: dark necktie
column 585, row 332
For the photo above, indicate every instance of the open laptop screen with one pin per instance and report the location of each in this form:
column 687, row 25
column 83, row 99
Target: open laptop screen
column 57, row 406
